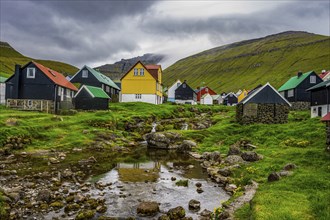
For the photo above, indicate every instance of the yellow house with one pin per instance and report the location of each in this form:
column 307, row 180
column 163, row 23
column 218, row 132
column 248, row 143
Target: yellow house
column 242, row 95
column 142, row 83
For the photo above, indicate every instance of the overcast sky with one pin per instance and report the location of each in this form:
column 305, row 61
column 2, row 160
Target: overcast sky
column 104, row 31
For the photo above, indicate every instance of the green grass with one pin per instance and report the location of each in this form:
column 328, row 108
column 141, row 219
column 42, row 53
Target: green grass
column 9, row 57
column 304, row 195
column 277, row 59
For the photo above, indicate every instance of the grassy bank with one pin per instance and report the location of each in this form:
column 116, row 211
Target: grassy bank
column 303, row 195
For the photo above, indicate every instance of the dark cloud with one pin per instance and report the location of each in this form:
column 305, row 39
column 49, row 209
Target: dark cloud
column 87, row 32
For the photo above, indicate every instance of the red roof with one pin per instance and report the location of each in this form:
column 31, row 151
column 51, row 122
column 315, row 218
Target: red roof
column 322, row 75
column 326, row 117
column 153, row 70
column 56, row 77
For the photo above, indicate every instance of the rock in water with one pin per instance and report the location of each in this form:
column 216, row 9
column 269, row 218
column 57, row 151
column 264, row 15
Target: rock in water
column 194, row 205
column 176, row 213
column 186, row 145
column 148, row 208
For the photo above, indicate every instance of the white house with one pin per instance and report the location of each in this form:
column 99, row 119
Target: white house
column 2, row 90
column 320, row 99
column 217, row 99
column 207, row 99
column 171, row 91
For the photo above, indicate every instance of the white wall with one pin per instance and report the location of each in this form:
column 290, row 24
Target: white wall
column 171, row 90
column 2, row 93
column 149, row 98
column 207, row 100
column 314, row 110
column 192, row 102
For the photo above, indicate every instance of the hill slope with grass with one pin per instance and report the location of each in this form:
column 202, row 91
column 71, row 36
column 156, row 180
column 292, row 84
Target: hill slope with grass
column 246, row 64
column 9, row 57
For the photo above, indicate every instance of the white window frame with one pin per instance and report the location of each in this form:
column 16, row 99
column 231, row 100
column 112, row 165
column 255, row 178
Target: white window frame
column 136, row 71
column 84, row 74
column 312, row 79
column 141, row 72
column 33, row 73
column 290, row 93
column 68, row 93
column 184, row 86
column 107, row 88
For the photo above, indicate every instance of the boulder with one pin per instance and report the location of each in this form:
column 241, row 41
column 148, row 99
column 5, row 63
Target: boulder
column 285, row 173
column 44, row 195
column 273, row 177
column 206, row 213
column 234, row 150
column 194, row 205
column 176, row 213
column 234, row 159
column 148, row 208
column 215, row 156
column 163, row 217
column 165, row 140
column 226, row 171
column 250, row 156
column 290, row 166
column 230, row 187
column 53, row 160
column 186, row 145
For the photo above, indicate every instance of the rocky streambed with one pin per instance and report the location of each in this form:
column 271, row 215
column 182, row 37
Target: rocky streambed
column 84, row 184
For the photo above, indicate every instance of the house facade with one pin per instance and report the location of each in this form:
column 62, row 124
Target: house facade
column 242, row 95
column 217, row 99
column 184, row 94
column 295, row 89
column 91, row 98
column 325, row 75
column 2, row 90
column 230, row 99
column 263, row 105
column 90, row 77
column 36, row 87
column 320, row 99
column 206, row 99
column 202, row 91
column 142, row 83
column 171, row 91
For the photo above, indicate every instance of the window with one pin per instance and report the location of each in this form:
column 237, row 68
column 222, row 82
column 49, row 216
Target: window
column 290, row 93
column 206, row 90
column 138, row 96
column 107, row 88
column 178, row 84
column 72, row 94
column 85, row 74
column 141, row 72
column 68, row 92
column 31, row 73
column 282, row 93
column 312, row 79
column 136, row 71
column 184, row 86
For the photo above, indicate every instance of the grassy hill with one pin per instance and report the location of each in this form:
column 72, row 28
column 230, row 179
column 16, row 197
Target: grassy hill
column 246, row 64
column 9, row 57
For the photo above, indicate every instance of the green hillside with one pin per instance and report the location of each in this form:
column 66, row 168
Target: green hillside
column 246, row 64
column 9, row 57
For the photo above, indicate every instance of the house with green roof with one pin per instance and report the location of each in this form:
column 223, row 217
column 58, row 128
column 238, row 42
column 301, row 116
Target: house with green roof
column 295, row 89
column 2, row 90
column 320, row 99
column 91, row 77
column 91, row 98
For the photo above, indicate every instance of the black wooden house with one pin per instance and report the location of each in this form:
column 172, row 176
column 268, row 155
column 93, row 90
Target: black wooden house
column 263, row 105
column 184, row 94
column 320, row 99
column 36, row 87
column 91, row 98
column 91, row 77
column 295, row 89
column 230, row 99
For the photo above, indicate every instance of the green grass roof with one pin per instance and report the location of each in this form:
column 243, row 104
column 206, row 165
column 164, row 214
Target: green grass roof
column 97, row 92
column 2, row 79
column 103, row 78
column 294, row 82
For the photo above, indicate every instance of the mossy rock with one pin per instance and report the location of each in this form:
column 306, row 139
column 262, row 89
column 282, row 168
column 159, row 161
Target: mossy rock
column 176, row 213
column 56, row 205
column 85, row 215
column 72, row 207
column 182, row 183
column 69, row 199
column 93, row 203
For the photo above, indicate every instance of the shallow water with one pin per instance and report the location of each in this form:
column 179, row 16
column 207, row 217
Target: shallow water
column 151, row 181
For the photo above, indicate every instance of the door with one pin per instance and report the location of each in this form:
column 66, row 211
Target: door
column 319, row 111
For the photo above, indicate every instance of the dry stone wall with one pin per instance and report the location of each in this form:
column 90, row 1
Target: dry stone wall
column 300, row 106
column 264, row 113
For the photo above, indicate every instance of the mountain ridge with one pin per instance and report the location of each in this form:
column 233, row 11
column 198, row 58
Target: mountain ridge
column 248, row 63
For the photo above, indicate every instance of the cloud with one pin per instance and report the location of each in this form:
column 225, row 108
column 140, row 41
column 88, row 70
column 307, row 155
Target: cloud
column 99, row 32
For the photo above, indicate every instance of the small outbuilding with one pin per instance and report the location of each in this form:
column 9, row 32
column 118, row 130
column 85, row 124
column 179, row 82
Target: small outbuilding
column 326, row 120
column 207, row 99
column 217, row 99
column 320, row 99
column 263, row 105
column 91, row 98
column 2, row 90
column 230, row 99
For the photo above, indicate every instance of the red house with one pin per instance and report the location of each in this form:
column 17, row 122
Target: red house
column 202, row 91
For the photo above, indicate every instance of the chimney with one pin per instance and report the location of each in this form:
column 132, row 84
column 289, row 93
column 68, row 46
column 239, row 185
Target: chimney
column 17, row 81
column 323, row 71
column 198, row 87
column 299, row 74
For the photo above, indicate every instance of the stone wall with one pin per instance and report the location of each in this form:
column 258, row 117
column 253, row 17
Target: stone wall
column 31, row 105
column 262, row 113
column 300, row 106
